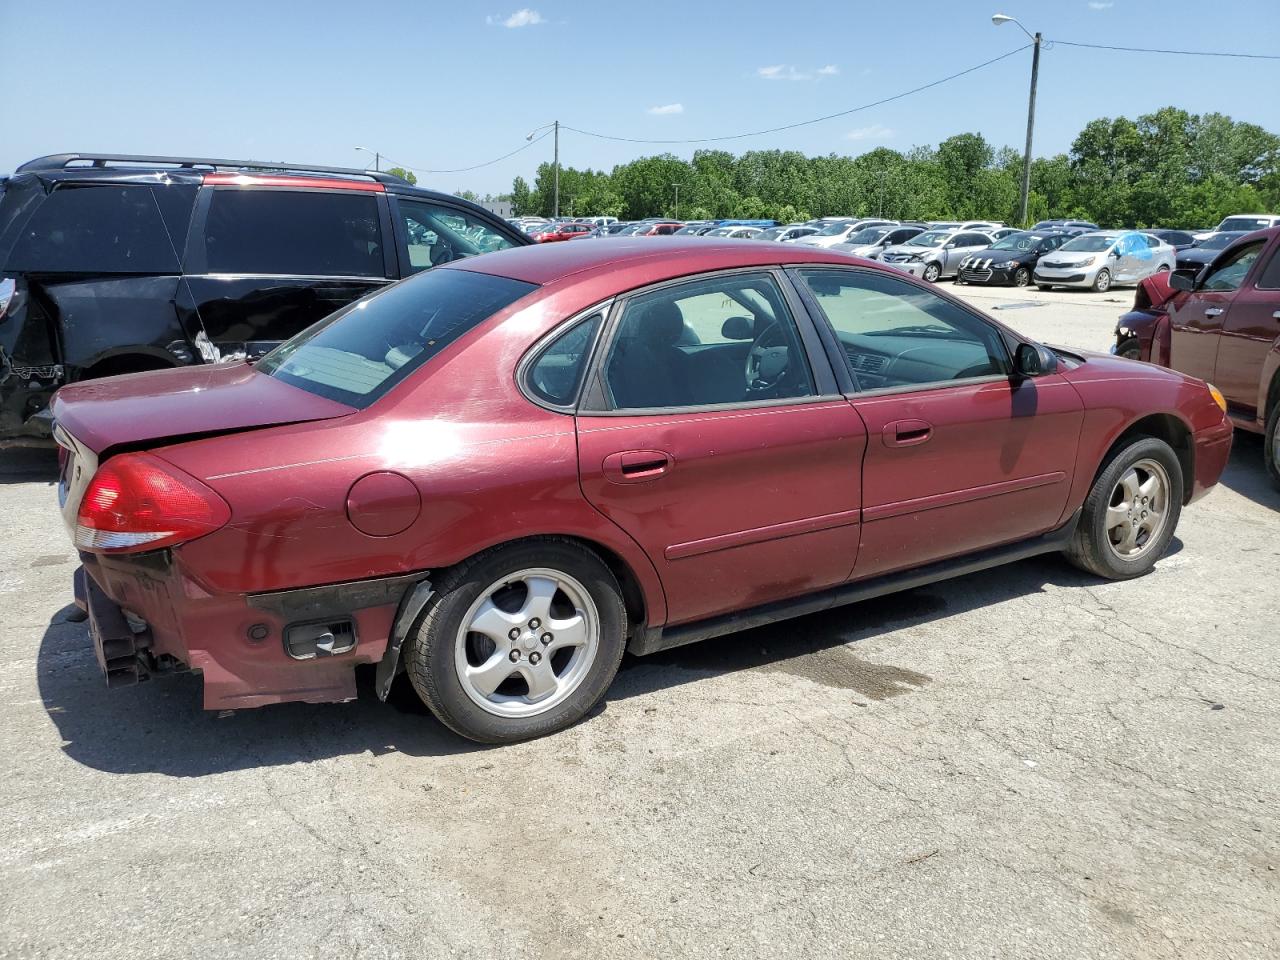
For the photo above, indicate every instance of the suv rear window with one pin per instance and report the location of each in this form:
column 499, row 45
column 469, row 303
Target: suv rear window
column 101, row 228
column 293, row 233
column 362, row 351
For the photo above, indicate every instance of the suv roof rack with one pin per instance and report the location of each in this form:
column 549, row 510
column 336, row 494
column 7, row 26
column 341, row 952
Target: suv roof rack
column 63, row 161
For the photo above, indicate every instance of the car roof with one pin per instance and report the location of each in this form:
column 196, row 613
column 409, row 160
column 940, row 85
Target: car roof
column 545, row 264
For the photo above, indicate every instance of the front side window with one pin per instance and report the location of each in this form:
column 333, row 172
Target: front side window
column 720, row 340
column 1229, row 273
column 895, row 334
column 362, row 351
column 438, row 234
column 1270, row 279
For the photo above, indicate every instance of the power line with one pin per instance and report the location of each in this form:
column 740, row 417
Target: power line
column 1184, row 53
column 805, row 123
column 487, row 163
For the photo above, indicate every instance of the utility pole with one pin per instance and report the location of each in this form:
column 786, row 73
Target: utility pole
column 556, row 208
column 1031, row 123
column 883, row 174
column 1036, row 41
column 377, row 158
column 677, row 216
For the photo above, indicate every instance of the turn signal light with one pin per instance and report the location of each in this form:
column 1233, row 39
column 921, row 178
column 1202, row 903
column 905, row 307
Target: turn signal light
column 137, row 502
column 1218, row 398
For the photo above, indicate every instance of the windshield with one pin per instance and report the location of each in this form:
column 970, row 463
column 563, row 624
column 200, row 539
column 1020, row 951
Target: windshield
column 933, row 238
column 869, row 235
column 720, row 232
column 1245, row 224
column 631, row 229
column 833, row 230
column 691, row 228
column 773, row 233
column 1022, row 242
column 1219, row 240
column 356, row 355
column 1089, row 243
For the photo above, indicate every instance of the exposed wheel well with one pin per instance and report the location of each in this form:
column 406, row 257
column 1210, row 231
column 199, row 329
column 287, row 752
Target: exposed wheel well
column 1166, row 427
column 124, row 363
column 1273, row 397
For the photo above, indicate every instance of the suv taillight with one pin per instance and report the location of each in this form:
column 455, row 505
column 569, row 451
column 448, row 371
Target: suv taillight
column 137, row 502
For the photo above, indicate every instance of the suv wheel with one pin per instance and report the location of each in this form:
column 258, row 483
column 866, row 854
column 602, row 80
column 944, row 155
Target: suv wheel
column 520, row 641
column 1131, row 511
column 1271, row 446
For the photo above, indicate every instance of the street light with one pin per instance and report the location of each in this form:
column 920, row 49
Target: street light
column 677, row 216
column 998, row 19
column 377, row 158
column 555, row 211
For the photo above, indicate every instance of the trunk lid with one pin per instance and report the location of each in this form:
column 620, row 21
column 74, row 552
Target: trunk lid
column 142, row 409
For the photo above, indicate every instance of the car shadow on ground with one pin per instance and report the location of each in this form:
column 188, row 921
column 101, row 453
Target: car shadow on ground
column 1246, row 471
column 29, row 465
column 159, row 726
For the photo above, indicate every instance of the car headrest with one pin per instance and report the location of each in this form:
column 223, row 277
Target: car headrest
column 662, row 323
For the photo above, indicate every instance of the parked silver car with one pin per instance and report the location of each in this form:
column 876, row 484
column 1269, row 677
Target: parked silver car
column 1104, row 258
column 870, row 242
column 792, row 231
column 935, row 254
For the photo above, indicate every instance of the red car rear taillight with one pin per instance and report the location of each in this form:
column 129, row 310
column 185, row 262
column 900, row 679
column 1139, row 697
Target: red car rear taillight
column 137, row 502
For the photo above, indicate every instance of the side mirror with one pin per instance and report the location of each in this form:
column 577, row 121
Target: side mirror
column 1116, row 253
column 738, row 328
column 1034, row 360
column 1183, row 280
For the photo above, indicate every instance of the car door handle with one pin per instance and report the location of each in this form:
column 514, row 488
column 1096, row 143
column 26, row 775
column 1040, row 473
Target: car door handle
column 636, row 466
column 1213, row 312
column 906, row 433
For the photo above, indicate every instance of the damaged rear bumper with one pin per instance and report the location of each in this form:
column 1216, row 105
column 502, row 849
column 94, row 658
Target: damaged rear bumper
column 148, row 615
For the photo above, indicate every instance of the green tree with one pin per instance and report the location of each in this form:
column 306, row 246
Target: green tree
column 403, row 174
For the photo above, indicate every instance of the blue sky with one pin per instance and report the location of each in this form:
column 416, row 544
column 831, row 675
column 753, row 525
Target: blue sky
column 438, row 85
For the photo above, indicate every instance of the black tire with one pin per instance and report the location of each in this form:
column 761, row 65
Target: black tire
column 1090, row 548
column 1130, row 348
column 1021, row 277
column 1102, row 282
column 931, row 273
column 1271, row 445
column 429, row 653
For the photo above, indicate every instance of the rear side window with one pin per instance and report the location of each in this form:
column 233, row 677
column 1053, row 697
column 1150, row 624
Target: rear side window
column 359, row 353
column 106, row 228
column 556, row 373
column 294, row 233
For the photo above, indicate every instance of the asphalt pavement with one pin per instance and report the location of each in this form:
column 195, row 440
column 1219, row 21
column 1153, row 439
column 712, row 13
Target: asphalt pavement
column 1026, row 762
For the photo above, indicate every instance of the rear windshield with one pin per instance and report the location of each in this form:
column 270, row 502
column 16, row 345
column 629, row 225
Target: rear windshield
column 359, row 353
column 1244, row 224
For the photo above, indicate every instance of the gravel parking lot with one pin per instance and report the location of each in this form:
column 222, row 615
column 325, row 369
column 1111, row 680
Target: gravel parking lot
column 1025, row 762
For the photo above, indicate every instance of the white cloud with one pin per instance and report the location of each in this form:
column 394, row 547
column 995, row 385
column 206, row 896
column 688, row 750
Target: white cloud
column 785, row 71
column 1099, row 5
column 524, row 17
column 876, row 131
column 666, row 108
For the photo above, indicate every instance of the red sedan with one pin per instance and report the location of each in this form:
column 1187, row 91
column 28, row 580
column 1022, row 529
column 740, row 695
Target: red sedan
column 563, row 231
column 501, row 474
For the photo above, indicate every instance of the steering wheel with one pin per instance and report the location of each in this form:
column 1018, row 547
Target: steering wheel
column 768, row 360
column 442, row 252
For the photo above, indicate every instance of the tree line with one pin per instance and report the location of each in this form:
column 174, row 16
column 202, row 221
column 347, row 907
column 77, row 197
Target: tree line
column 1167, row 168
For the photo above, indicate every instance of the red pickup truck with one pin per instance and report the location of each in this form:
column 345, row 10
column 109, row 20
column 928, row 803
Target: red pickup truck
column 1221, row 324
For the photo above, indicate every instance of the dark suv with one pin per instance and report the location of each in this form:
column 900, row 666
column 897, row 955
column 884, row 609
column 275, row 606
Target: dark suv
column 113, row 264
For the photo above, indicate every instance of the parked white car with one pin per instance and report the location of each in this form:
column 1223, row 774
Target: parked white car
column 835, row 233
column 935, row 254
column 1104, row 258
column 870, row 242
column 1246, row 222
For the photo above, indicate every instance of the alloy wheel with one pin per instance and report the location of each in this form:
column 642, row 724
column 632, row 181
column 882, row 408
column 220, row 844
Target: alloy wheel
column 527, row 642
column 1102, row 283
column 931, row 272
column 1137, row 510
